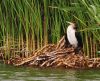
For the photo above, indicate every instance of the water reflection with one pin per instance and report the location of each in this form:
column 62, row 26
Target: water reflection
column 10, row 73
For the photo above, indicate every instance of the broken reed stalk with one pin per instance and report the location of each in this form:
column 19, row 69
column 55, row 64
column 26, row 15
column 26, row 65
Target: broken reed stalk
column 56, row 56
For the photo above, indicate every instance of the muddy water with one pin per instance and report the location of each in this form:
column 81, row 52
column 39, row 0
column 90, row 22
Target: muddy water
column 10, row 73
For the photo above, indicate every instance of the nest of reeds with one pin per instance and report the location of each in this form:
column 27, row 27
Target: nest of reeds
column 57, row 56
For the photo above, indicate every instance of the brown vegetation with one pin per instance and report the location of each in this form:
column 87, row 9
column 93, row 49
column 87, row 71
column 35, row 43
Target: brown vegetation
column 56, row 56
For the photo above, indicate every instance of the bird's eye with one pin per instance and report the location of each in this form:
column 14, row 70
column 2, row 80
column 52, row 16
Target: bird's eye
column 75, row 27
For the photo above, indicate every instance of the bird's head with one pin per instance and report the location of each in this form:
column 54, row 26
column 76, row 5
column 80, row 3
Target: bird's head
column 72, row 24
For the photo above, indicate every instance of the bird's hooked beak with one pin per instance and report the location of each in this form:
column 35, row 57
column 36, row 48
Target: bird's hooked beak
column 69, row 22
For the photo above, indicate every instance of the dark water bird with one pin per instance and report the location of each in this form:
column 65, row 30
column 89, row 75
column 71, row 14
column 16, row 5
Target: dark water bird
column 73, row 37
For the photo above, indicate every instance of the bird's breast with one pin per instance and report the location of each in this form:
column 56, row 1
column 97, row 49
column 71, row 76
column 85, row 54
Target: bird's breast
column 72, row 38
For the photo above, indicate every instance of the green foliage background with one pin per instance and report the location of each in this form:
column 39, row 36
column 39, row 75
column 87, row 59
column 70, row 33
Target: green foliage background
column 31, row 24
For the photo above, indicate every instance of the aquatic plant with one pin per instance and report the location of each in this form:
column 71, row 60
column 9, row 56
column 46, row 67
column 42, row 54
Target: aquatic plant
column 27, row 25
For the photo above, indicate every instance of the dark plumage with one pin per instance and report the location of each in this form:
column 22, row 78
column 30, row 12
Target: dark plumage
column 79, row 39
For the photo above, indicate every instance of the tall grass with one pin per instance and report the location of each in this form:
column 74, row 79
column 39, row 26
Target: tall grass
column 27, row 25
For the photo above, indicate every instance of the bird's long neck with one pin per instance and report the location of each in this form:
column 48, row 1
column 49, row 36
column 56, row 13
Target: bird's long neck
column 70, row 28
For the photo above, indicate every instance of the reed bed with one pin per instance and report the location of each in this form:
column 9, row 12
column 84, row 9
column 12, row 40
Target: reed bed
column 56, row 56
column 28, row 25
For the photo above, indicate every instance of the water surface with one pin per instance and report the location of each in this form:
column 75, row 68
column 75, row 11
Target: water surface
column 10, row 73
